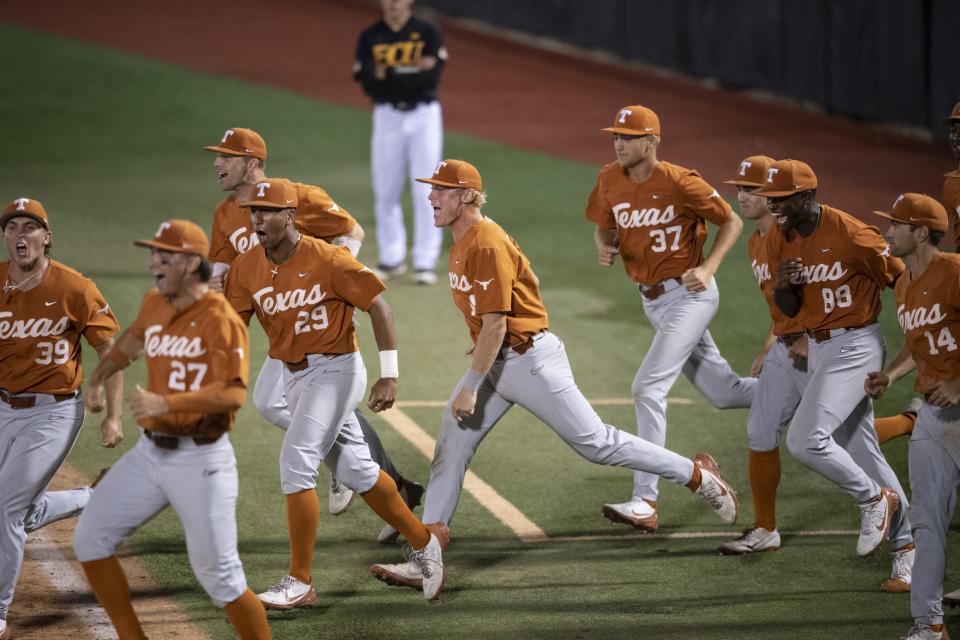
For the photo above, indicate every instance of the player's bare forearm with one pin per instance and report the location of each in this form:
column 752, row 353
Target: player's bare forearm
column 111, row 428
column 384, row 328
column 787, row 290
column 878, row 382
column 608, row 246
column 757, row 366
column 489, row 341
column 727, row 235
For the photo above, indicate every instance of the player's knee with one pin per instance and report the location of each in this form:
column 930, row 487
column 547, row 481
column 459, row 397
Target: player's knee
column 89, row 545
column 800, row 445
column 294, row 479
column 222, row 586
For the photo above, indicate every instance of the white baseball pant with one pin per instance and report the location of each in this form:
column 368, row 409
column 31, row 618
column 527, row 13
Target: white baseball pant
column 681, row 343
column 33, row 444
column 934, row 481
column 199, row 482
column 540, row 381
column 405, row 145
column 832, row 429
column 777, row 396
column 323, row 427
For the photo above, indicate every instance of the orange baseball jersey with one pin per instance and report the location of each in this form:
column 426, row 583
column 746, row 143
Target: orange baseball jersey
column 846, row 264
column 951, row 200
column 40, row 330
column 766, row 277
column 204, row 344
column 660, row 223
column 317, row 216
column 489, row 274
column 928, row 309
column 305, row 304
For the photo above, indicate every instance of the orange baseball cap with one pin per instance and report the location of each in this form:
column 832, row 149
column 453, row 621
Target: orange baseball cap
column 179, row 236
column 919, row 210
column 241, row 142
column 456, row 174
column 954, row 115
column 25, row 207
column 752, row 171
column 636, row 120
column 273, row 194
column 787, row 177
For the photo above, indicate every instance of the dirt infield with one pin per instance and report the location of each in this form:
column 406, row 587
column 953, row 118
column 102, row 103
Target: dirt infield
column 503, row 91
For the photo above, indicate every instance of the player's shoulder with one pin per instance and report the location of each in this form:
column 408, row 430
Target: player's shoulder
column 218, row 309
column 309, row 193
column 949, row 263
column 68, row 277
column 846, row 222
column 676, row 172
column 247, row 261
column 490, row 236
column 417, row 23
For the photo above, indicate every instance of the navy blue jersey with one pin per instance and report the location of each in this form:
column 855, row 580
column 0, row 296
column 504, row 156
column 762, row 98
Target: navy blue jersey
column 399, row 53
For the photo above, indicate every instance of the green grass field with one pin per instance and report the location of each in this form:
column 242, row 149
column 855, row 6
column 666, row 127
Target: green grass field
column 112, row 145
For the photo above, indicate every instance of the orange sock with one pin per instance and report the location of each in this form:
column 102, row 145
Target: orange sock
column 109, row 584
column 764, row 469
column 248, row 617
column 386, row 502
column 894, row 426
column 303, row 515
column 695, row 480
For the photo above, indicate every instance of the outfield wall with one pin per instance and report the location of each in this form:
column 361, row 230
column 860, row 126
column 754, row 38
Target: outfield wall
column 889, row 61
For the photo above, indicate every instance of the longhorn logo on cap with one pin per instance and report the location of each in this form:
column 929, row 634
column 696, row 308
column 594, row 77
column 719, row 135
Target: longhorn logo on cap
column 22, row 203
column 226, row 135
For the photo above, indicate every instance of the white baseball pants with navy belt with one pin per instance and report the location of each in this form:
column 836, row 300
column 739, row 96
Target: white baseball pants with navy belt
column 199, row 482
column 34, row 443
column 777, row 397
column 323, row 427
column 540, row 381
column 934, row 482
column 405, row 145
column 681, row 343
column 832, row 429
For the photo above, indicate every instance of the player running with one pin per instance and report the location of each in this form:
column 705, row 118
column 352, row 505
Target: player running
column 654, row 215
column 45, row 307
column 197, row 357
column 304, row 292
column 928, row 308
column 516, row 360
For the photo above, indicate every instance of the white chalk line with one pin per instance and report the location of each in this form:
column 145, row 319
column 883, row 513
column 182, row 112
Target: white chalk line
column 418, row 404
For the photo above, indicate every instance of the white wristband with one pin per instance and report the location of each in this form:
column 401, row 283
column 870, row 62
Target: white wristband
column 352, row 244
column 473, row 379
column 389, row 368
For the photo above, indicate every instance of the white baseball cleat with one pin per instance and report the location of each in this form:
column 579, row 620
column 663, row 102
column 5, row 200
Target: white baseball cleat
column 406, row 574
column 639, row 514
column 901, row 572
column 952, row 599
column 425, row 277
column 289, row 593
column 714, row 490
column 924, row 632
column 430, row 561
column 751, row 540
column 340, row 497
column 875, row 517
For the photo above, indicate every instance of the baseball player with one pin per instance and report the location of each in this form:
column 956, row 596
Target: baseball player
column 304, row 292
column 197, row 356
column 45, row 307
column 399, row 62
column 516, row 360
column 928, row 308
column 951, row 186
column 830, row 270
column 240, row 162
column 654, row 215
column 781, row 368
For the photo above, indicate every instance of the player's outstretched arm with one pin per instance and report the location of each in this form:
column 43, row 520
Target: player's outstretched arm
column 489, row 343
column 384, row 391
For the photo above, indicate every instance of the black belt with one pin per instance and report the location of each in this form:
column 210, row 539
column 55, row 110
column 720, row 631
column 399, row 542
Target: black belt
column 407, row 105
column 521, row 347
column 297, row 366
column 789, row 338
column 825, row 334
column 173, row 442
column 655, row 291
column 29, row 402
